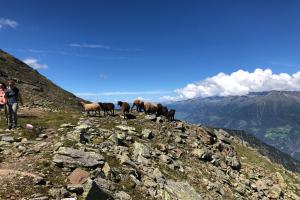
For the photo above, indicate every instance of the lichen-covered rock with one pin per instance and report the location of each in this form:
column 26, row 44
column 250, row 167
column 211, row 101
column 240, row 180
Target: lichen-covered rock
column 73, row 158
column 140, row 149
column 178, row 191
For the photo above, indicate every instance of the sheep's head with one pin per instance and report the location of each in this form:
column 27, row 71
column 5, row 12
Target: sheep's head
column 120, row 103
column 142, row 104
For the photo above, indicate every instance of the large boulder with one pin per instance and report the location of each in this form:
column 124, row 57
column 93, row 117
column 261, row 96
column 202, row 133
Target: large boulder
column 92, row 191
column 140, row 149
column 179, row 190
column 73, row 158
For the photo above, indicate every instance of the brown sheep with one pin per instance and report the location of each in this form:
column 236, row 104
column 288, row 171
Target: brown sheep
column 125, row 107
column 150, row 108
column 171, row 115
column 107, row 107
column 88, row 107
column 138, row 104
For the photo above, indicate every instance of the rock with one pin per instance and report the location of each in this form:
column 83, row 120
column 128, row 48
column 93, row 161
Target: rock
column 140, row 149
column 114, row 138
column 261, row 185
column 178, row 140
column 123, row 196
column 142, row 160
column 125, row 128
column 129, row 182
column 151, row 117
column 148, row 182
column 166, row 159
column 84, row 138
column 203, row 154
column 147, row 134
column 82, row 127
column 233, row 162
column 159, row 120
column 69, row 125
column 106, row 169
column 281, row 181
column 180, row 190
column 222, row 135
column 275, row 192
column 40, row 198
column 105, row 185
column 78, row 176
column 124, row 158
column 7, row 138
column 157, row 174
column 78, row 189
column 161, row 147
column 121, row 136
column 92, row 191
column 72, row 158
column 215, row 187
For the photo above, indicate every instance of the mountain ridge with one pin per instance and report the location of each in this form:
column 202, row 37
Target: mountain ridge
column 36, row 89
column 270, row 116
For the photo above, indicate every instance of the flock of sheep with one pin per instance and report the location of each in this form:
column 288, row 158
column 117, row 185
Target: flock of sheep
column 138, row 105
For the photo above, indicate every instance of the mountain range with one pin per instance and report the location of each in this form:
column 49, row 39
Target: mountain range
column 272, row 117
column 68, row 155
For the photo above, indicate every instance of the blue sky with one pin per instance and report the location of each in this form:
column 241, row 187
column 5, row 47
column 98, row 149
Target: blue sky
column 109, row 50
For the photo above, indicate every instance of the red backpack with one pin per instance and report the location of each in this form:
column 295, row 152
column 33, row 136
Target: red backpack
column 2, row 97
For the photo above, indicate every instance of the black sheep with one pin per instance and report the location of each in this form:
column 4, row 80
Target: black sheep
column 107, row 107
column 171, row 115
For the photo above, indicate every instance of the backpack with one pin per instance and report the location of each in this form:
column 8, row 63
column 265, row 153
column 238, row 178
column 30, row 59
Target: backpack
column 2, row 97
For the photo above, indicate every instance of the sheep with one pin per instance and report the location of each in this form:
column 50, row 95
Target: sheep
column 164, row 111
column 106, row 107
column 138, row 104
column 150, row 108
column 90, row 107
column 125, row 107
column 159, row 110
column 171, row 114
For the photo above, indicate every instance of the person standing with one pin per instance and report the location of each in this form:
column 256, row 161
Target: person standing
column 3, row 99
column 13, row 96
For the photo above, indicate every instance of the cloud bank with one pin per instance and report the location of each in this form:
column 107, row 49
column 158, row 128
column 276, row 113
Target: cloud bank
column 32, row 62
column 238, row 83
column 7, row 23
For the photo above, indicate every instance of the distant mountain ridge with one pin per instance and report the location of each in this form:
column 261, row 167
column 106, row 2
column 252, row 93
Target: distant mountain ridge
column 36, row 89
column 273, row 117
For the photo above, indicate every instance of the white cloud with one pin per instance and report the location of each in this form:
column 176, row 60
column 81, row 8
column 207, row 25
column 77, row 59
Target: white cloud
column 32, row 62
column 144, row 99
column 7, row 23
column 170, row 98
column 238, row 83
column 92, row 46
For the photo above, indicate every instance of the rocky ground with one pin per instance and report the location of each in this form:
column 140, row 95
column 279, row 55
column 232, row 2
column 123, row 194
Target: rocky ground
column 71, row 156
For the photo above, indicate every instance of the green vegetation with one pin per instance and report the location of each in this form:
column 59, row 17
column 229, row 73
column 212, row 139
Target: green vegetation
column 253, row 158
column 280, row 133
